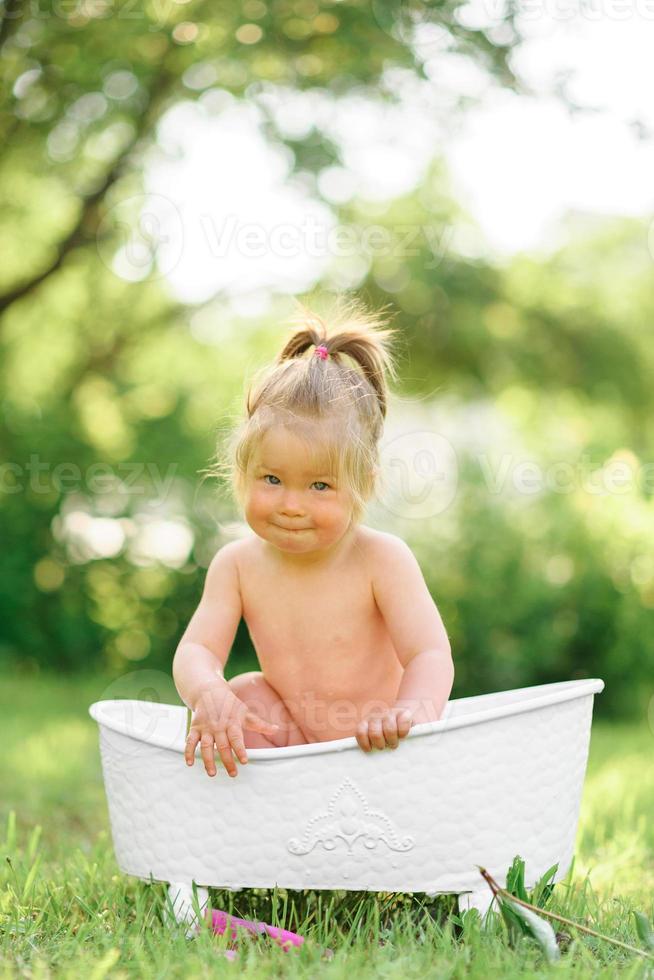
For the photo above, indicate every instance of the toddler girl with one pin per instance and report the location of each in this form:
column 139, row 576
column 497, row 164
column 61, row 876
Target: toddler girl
column 347, row 636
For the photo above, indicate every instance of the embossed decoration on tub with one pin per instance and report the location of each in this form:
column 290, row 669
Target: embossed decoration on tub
column 348, row 818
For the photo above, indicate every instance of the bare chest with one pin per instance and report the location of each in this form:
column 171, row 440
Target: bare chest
column 316, row 632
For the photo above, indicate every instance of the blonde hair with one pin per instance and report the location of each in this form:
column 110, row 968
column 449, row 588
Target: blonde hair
column 348, row 403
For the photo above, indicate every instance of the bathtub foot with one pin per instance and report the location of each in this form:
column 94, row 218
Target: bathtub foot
column 480, row 900
column 181, row 899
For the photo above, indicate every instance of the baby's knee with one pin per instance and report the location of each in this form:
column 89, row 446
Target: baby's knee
column 246, row 682
column 251, row 688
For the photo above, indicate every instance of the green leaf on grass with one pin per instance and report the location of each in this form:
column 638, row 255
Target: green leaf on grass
column 514, row 924
column 644, row 930
column 538, row 928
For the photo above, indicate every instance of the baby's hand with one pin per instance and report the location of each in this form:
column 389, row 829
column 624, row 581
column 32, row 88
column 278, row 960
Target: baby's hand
column 219, row 717
column 384, row 728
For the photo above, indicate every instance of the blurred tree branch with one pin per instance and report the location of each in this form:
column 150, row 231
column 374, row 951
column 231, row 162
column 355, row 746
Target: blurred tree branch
column 83, row 231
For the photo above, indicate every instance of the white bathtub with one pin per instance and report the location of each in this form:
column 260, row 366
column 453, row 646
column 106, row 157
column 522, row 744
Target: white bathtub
column 499, row 775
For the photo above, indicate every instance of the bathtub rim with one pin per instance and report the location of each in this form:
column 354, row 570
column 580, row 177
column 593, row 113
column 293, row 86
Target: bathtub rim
column 565, row 691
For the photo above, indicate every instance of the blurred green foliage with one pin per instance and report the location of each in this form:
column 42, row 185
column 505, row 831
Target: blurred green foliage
column 110, row 400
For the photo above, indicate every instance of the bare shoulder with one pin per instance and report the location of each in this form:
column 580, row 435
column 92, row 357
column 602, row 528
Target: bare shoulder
column 379, row 544
column 228, row 551
column 248, row 554
column 222, row 578
column 230, row 556
column 382, row 549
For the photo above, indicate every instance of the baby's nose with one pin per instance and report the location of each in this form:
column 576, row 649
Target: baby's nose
column 292, row 510
column 292, row 505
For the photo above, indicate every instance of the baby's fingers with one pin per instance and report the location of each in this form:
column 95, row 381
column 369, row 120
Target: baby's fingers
column 192, row 740
column 376, row 734
column 404, row 723
column 206, row 748
column 362, row 737
column 235, row 736
column 391, row 731
column 225, row 749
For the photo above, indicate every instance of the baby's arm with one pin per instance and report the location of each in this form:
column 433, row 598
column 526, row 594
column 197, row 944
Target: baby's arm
column 420, row 640
column 218, row 714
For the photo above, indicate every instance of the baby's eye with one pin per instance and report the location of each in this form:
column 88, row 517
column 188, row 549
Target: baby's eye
column 320, row 483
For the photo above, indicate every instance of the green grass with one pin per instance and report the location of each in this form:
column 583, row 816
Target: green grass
column 67, row 911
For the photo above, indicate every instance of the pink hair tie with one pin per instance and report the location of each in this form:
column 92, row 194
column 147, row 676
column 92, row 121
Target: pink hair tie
column 322, row 351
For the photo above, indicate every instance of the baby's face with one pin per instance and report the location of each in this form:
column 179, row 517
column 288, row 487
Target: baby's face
column 292, row 499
